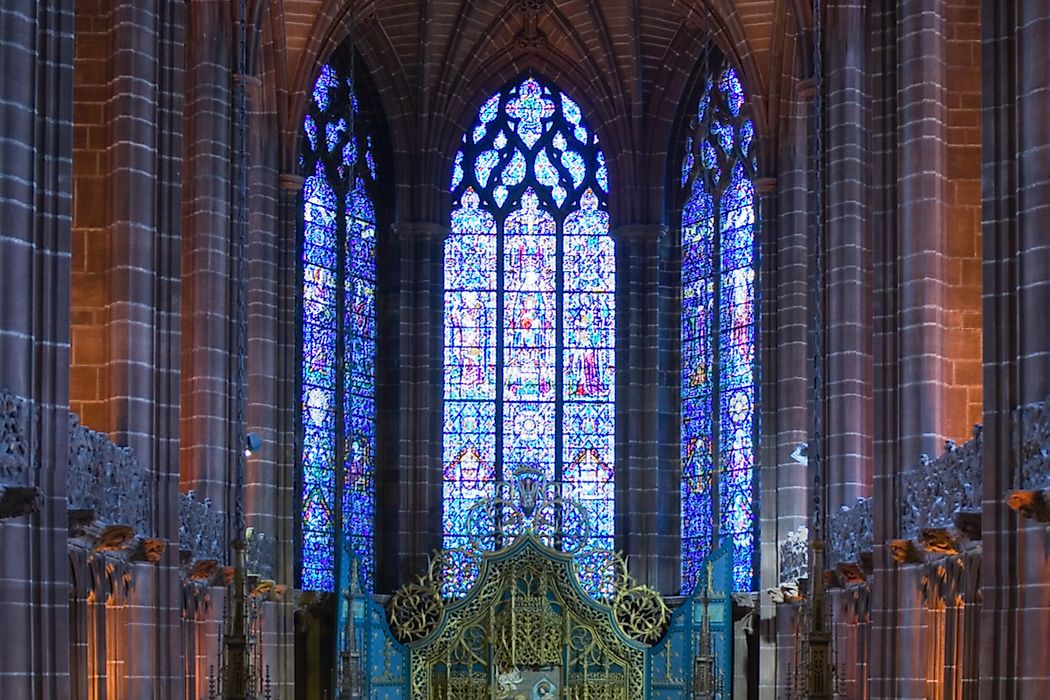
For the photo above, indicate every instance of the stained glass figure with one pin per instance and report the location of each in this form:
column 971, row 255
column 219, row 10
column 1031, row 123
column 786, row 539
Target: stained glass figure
column 719, row 486
column 338, row 335
column 529, row 308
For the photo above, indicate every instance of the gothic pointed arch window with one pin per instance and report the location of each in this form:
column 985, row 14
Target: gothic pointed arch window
column 719, row 478
column 529, row 308
column 338, row 333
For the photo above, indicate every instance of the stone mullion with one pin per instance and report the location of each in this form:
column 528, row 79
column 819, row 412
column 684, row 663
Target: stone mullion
column 412, row 497
column 647, row 494
column 207, row 308
column 849, row 321
column 36, row 50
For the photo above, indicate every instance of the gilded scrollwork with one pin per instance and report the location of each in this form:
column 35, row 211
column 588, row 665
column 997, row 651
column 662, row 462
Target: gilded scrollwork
column 641, row 613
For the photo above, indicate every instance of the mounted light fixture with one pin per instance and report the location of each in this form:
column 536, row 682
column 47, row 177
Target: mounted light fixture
column 252, row 444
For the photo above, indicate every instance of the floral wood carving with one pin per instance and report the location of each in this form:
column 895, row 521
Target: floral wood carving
column 934, row 490
column 1032, row 423
column 850, row 532
column 107, row 479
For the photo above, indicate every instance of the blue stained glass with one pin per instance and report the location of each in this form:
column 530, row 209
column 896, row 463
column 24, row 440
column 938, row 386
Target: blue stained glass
column 310, row 126
column 545, row 172
column 337, row 243
column 732, row 89
column 747, row 135
column 718, row 308
column 514, row 172
column 489, row 110
column 325, row 81
column 483, row 167
column 577, row 168
column 457, row 170
column 516, row 284
column 687, row 162
column 530, row 108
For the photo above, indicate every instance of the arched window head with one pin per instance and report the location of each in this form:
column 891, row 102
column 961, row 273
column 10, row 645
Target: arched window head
column 529, row 311
column 338, row 335
column 719, row 483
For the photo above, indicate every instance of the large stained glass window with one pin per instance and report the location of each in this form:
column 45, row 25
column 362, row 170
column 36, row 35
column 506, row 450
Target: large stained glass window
column 529, row 307
column 338, row 334
column 719, row 485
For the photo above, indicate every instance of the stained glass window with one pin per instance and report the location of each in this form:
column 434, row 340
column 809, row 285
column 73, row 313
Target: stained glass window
column 338, row 334
column 719, row 483
column 529, row 308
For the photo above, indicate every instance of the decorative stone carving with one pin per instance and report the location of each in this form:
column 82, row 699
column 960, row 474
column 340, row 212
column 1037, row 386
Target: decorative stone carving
column 201, row 528
column 1032, row 423
column 150, row 549
column 107, row 479
column 1034, row 504
column 17, row 501
column 850, row 532
column 114, row 537
column 939, row 540
column 203, row 570
column 261, row 554
column 794, row 555
column 905, row 552
column 934, row 490
column 850, row 574
column 15, row 447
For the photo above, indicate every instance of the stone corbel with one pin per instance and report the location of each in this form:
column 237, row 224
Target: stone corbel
column 19, row 501
column 939, row 540
column 203, row 570
column 850, row 574
column 905, row 552
column 263, row 588
column 149, row 549
column 1032, row 504
column 786, row 593
column 114, row 538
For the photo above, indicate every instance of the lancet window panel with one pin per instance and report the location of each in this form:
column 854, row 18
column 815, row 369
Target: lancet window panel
column 529, row 307
column 719, row 476
column 338, row 332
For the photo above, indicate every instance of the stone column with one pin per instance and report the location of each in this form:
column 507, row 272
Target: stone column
column 409, row 497
column 1016, row 245
column 36, row 52
column 207, row 458
column 785, row 374
column 647, row 488
column 285, row 446
column 848, row 276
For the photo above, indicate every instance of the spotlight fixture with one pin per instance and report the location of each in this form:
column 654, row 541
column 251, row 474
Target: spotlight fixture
column 252, row 444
